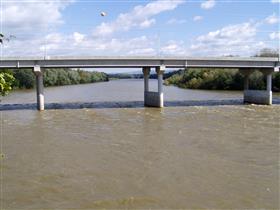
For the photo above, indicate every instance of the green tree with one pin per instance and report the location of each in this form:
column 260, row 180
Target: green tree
column 74, row 77
column 267, row 52
column 63, row 77
column 6, row 82
column 50, row 77
column 25, row 78
column 85, row 76
column 276, row 81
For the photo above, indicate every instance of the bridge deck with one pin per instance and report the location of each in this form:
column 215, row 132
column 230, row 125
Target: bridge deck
column 138, row 62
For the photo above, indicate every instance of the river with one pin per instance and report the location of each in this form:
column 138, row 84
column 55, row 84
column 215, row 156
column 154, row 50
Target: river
column 204, row 150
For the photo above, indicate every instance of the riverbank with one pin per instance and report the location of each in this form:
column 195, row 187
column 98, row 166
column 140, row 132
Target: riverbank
column 219, row 79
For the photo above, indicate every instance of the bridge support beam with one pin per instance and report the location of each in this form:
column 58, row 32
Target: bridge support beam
column 257, row 96
column 153, row 99
column 160, row 71
column 268, row 74
column 39, row 88
column 146, row 72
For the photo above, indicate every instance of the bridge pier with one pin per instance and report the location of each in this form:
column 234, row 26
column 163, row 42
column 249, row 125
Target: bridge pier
column 258, row 96
column 160, row 71
column 153, row 99
column 146, row 72
column 39, row 88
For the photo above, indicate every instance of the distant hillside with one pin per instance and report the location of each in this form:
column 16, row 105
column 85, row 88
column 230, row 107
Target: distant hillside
column 139, row 75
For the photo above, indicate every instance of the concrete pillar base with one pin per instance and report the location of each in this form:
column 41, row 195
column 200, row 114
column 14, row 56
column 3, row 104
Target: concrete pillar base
column 258, row 97
column 153, row 99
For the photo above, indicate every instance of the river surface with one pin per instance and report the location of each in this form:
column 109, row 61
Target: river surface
column 188, row 155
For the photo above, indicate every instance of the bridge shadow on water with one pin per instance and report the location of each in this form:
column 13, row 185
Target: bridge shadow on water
column 122, row 104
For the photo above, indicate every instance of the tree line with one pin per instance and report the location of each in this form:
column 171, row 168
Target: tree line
column 25, row 78
column 220, row 79
column 137, row 75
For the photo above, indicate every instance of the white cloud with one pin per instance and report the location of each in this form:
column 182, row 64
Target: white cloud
column 174, row 21
column 239, row 39
column 78, row 37
column 197, row 18
column 274, row 35
column 18, row 17
column 237, row 32
column 275, row 1
column 147, row 23
column 236, row 39
column 49, row 42
column 143, row 51
column 272, row 19
column 173, row 47
column 57, row 44
column 209, row 4
column 139, row 17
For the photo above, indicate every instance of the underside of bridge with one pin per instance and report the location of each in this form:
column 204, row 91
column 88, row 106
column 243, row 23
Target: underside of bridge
column 156, row 99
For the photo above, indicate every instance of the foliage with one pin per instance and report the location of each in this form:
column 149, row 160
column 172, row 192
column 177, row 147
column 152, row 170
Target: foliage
column 267, row 52
column 74, row 77
column 219, row 79
column 25, row 78
column 50, row 77
column 125, row 76
column 63, row 78
column 85, row 76
column 6, row 82
column 138, row 75
column 276, row 81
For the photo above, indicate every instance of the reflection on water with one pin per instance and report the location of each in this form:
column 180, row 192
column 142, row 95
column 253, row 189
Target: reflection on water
column 178, row 157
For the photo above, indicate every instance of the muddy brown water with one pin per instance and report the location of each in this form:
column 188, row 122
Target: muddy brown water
column 179, row 157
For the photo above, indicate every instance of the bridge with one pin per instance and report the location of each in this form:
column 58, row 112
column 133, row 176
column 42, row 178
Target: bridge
column 155, row 99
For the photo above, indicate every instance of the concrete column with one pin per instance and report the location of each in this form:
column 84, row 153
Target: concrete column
column 269, row 82
column 39, row 88
column 268, row 74
column 146, row 73
column 160, row 70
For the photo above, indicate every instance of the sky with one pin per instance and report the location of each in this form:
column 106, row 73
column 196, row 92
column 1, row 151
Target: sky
column 139, row 27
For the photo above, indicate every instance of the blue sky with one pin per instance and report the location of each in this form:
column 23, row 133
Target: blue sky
column 139, row 28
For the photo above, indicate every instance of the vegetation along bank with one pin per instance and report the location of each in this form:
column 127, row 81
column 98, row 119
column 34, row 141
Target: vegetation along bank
column 25, row 78
column 219, row 79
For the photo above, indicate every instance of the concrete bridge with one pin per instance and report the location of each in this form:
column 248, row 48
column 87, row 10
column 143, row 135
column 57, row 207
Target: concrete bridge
column 245, row 65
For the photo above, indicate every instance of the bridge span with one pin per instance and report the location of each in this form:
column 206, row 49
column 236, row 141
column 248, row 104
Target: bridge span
column 245, row 65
